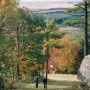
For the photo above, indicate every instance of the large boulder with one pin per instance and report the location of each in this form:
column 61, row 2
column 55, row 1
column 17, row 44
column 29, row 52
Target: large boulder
column 84, row 71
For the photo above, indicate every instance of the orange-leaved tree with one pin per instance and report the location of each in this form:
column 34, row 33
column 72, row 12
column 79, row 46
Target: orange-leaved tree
column 64, row 59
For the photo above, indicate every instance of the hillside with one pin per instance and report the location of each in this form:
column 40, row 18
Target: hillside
column 53, row 9
column 35, row 6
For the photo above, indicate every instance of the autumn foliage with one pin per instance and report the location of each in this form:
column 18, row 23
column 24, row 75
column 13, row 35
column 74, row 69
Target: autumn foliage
column 27, row 42
column 64, row 59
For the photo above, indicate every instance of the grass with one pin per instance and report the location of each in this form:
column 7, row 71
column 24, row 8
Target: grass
column 65, row 85
column 52, row 85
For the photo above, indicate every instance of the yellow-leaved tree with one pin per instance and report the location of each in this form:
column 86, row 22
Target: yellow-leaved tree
column 65, row 59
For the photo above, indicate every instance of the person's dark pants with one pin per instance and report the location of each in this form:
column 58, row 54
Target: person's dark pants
column 45, row 85
column 36, row 85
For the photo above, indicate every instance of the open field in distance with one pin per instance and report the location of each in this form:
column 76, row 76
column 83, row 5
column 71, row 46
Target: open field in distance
column 45, row 5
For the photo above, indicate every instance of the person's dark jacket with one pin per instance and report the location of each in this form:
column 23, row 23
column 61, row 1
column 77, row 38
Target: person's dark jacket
column 45, row 80
column 36, row 80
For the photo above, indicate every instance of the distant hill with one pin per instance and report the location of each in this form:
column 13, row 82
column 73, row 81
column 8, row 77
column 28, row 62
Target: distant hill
column 54, row 9
column 46, row 5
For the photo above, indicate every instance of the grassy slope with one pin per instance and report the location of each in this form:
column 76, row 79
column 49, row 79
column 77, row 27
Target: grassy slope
column 52, row 85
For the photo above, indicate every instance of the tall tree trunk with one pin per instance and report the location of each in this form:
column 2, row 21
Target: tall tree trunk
column 18, row 48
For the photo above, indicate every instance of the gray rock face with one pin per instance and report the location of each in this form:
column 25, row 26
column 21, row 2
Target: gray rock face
column 84, row 71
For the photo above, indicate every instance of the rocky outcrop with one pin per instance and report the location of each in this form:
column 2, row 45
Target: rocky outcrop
column 84, row 71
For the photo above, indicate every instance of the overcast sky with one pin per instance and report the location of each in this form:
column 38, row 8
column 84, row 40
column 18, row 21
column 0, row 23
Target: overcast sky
column 49, row 0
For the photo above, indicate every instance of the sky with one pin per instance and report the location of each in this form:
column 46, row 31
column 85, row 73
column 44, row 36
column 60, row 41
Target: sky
column 50, row 0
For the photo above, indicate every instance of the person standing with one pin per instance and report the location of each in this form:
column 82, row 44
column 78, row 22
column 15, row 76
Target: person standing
column 45, row 82
column 36, row 80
